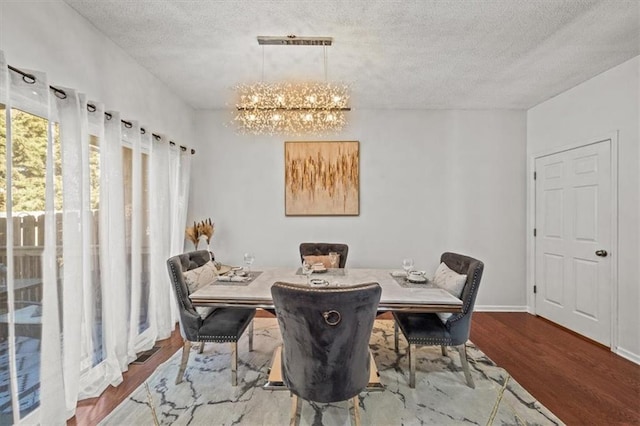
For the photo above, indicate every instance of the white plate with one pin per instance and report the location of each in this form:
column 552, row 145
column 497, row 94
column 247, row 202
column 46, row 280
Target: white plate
column 224, row 269
column 417, row 279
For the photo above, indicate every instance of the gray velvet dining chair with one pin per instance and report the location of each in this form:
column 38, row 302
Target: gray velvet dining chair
column 220, row 325
column 325, row 334
column 323, row 249
column 424, row 329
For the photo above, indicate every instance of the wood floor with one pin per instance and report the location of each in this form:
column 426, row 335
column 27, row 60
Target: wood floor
column 581, row 382
column 91, row 411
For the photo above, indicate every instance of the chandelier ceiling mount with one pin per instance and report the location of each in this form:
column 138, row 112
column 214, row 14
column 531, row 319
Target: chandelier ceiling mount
column 294, row 40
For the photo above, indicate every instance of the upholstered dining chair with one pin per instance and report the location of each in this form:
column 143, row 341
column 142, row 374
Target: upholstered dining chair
column 325, row 334
column 430, row 329
column 323, row 249
column 219, row 325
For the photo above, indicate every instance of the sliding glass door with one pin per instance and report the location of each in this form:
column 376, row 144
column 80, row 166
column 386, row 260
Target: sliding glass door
column 22, row 198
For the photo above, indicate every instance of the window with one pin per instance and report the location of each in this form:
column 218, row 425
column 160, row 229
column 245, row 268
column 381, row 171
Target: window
column 27, row 186
column 90, row 174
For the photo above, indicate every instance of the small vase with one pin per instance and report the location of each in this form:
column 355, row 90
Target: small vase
column 202, row 243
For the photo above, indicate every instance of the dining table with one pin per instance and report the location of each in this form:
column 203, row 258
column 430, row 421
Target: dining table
column 254, row 291
column 398, row 294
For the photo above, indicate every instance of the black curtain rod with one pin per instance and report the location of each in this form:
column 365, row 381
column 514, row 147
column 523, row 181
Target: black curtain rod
column 31, row 79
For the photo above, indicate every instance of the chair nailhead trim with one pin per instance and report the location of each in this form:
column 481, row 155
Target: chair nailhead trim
column 177, row 287
column 429, row 341
column 474, row 283
column 220, row 339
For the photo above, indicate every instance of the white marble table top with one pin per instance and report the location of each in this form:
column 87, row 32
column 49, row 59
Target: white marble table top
column 394, row 297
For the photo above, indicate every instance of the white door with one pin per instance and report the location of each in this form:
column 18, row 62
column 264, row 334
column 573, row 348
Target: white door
column 573, row 239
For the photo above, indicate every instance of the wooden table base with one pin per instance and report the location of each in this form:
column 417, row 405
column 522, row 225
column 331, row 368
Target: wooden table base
column 275, row 374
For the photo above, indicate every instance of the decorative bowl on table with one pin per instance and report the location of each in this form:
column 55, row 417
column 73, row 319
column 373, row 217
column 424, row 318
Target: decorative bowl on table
column 416, row 277
column 223, row 269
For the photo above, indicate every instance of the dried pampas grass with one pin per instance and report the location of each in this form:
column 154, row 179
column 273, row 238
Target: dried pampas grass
column 191, row 233
column 204, row 228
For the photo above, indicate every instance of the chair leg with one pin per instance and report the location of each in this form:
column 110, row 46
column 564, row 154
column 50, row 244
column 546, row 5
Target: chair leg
column 412, row 365
column 395, row 335
column 201, row 348
column 186, row 348
column 355, row 401
column 234, row 363
column 295, row 410
column 251, row 336
column 443, row 348
column 462, row 350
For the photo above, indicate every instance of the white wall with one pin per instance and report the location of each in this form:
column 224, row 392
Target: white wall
column 431, row 181
column 50, row 36
column 606, row 103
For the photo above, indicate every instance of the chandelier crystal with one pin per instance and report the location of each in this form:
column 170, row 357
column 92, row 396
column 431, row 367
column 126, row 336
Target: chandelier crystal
column 290, row 108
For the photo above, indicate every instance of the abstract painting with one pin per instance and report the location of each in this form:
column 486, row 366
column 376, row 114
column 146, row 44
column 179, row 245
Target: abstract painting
column 322, row 178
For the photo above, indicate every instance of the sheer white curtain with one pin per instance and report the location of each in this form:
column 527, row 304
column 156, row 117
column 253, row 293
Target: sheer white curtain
column 133, row 222
column 142, row 330
column 162, row 188
column 115, row 208
column 169, row 197
column 147, row 336
column 73, row 136
column 182, row 203
column 114, row 288
column 96, row 371
column 24, row 95
column 179, row 169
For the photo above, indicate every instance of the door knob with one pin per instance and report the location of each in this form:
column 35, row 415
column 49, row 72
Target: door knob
column 601, row 253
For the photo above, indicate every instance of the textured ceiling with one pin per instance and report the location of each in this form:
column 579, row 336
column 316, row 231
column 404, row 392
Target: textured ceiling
column 413, row 54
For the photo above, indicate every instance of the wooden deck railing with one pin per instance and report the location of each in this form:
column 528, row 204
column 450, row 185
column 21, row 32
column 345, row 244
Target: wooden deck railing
column 28, row 243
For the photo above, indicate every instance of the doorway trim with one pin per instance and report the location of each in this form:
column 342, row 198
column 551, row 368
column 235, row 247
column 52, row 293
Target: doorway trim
column 531, row 224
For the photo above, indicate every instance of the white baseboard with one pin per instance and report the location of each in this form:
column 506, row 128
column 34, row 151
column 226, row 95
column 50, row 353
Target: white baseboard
column 635, row 358
column 500, row 308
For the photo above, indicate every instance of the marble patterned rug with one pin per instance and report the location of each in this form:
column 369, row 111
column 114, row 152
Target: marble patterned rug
column 441, row 396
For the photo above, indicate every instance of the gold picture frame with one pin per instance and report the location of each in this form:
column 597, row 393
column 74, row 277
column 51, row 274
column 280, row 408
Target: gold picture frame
column 322, row 178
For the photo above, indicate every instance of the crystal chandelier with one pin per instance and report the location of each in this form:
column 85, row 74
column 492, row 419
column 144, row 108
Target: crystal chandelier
column 292, row 108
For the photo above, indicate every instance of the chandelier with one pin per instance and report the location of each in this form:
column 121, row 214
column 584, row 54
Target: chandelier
column 292, row 108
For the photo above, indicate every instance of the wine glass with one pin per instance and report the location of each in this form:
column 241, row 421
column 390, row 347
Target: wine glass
column 307, row 270
column 333, row 259
column 248, row 260
column 407, row 265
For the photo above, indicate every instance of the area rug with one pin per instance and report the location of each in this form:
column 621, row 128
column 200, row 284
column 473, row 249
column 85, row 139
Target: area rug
column 441, row 396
